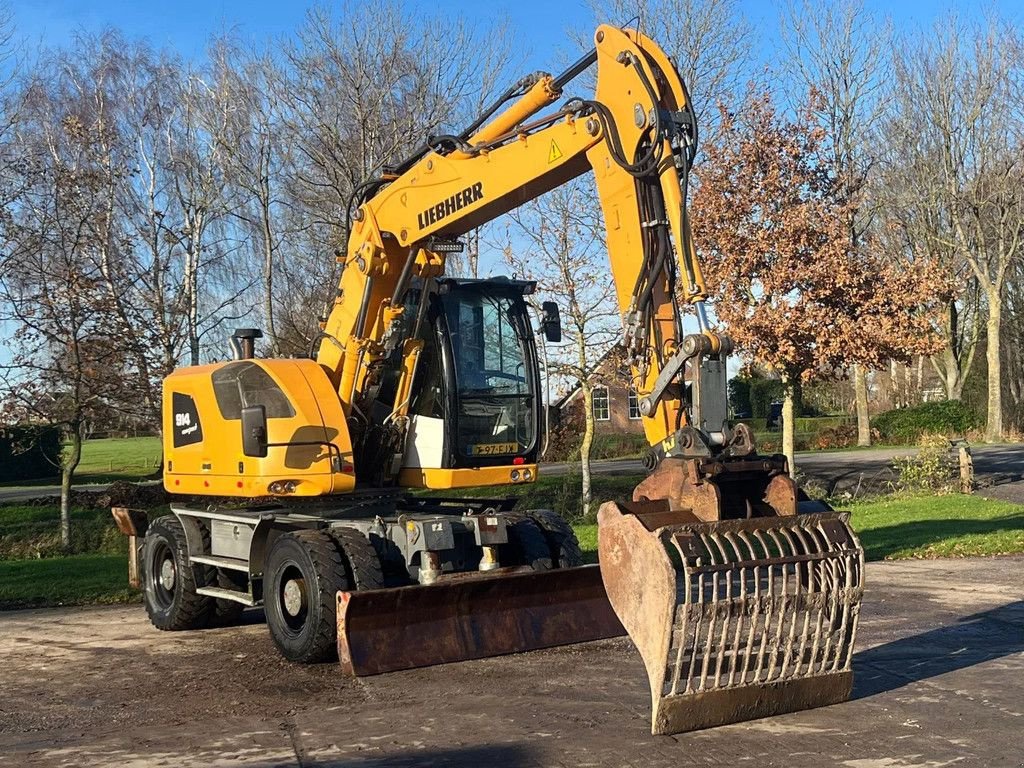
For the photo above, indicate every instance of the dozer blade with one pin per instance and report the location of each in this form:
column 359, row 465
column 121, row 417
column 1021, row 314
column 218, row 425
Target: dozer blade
column 471, row 616
column 737, row 619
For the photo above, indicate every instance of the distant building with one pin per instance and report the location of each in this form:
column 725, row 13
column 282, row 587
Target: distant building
column 616, row 409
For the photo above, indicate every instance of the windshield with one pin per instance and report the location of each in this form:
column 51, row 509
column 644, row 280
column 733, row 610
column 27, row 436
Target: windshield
column 495, row 405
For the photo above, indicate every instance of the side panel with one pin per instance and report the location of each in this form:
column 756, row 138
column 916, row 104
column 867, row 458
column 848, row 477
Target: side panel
column 310, row 453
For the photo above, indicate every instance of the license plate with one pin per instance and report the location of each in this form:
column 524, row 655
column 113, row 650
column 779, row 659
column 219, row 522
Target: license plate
column 492, row 449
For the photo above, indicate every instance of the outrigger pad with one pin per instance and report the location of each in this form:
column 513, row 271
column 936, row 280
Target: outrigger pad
column 471, row 616
column 736, row 619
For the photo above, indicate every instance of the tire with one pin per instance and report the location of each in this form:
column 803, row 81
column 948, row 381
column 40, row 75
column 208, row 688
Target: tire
column 527, row 546
column 362, row 565
column 309, row 567
column 562, row 541
column 169, row 584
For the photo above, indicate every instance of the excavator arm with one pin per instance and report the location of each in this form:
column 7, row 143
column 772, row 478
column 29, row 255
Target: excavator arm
column 638, row 135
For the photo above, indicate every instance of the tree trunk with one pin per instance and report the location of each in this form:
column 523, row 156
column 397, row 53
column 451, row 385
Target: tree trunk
column 994, row 423
column 860, row 390
column 789, row 423
column 67, row 475
column 585, row 446
column 192, row 297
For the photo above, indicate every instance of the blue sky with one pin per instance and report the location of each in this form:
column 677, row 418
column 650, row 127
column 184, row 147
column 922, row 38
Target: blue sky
column 186, row 24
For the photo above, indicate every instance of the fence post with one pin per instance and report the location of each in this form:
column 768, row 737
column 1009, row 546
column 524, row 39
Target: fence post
column 966, row 470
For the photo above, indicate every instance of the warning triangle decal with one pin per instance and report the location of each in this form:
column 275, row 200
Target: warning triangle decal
column 554, row 153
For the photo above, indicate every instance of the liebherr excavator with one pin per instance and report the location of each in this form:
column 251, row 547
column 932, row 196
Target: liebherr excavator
column 741, row 595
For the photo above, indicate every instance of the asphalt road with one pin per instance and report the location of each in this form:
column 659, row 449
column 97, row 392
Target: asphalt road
column 938, row 667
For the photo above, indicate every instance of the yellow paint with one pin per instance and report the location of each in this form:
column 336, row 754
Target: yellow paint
column 463, row 478
column 554, row 153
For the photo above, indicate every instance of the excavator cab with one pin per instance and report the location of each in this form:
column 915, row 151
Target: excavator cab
column 475, row 414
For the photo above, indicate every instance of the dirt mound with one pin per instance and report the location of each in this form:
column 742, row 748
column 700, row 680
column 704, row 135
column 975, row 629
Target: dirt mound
column 125, row 494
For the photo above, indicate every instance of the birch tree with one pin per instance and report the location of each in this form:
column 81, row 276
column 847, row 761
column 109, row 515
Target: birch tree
column 558, row 242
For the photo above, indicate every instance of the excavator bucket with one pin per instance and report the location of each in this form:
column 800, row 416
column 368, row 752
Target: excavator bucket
column 471, row 616
column 735, row 619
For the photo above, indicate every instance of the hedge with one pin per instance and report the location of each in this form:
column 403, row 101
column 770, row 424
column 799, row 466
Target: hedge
column 29, row 452
column 907, row 425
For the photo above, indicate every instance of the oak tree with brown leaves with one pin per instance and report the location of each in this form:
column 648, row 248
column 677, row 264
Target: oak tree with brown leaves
column 794, row 295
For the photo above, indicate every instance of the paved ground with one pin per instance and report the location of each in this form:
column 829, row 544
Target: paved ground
column 940, row 666
column 861, row 471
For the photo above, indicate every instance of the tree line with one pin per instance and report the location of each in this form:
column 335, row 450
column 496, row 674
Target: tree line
column 151, row 203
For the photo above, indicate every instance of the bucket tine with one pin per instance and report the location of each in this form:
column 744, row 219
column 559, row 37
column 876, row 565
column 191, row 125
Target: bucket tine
column 735, row 619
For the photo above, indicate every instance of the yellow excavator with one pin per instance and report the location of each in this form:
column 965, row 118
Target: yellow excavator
column 740, row 594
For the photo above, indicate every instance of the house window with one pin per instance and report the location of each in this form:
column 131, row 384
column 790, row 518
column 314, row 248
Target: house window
column 634, row 404
column 601, row 410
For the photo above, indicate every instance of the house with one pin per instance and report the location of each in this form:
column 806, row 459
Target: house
column 616, row 409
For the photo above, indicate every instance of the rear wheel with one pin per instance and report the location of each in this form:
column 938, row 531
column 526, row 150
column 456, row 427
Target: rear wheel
column 305, row 570
column 527, row 546
column 562, row 541
column 169, row 583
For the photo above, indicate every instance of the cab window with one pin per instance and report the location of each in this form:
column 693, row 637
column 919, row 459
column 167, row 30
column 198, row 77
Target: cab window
column 244, row 384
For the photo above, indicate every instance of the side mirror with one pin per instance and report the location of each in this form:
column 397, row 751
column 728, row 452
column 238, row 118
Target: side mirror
column 254, row 431
column 551, row 322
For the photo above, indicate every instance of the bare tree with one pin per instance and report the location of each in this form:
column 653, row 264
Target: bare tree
column 560, row 244
column 710, row 42
column 256, row 158
column 66, row 360
column 959, row 96
column 210, row 286
column 358, row 98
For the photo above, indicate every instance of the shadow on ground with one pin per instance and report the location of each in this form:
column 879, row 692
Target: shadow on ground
column 504, row 755
column 972, row 640
column 879, row 543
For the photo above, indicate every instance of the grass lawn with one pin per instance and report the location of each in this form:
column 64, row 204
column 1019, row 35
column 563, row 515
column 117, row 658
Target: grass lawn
column 938, row 526
column 917, row 527
column 107, row 460
column 127, row 458
column 73, row 580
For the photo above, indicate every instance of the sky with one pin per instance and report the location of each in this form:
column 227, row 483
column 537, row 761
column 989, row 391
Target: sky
column 185, row 25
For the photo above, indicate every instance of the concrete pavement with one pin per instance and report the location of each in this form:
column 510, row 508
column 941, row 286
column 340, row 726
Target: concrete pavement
column 939, row 670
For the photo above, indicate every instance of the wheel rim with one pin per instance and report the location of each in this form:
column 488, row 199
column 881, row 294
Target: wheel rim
column 163, row 575
column 293, row 598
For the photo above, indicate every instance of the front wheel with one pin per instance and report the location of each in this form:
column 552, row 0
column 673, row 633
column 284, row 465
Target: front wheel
column 304, row 572
column 169, row 582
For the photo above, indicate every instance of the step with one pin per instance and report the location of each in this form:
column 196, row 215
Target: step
column 226, row 594
column 231, row 563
